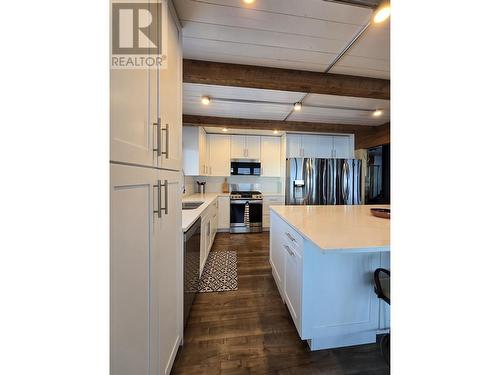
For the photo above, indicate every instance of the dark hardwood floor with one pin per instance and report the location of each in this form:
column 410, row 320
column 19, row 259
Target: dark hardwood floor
column 249, row 331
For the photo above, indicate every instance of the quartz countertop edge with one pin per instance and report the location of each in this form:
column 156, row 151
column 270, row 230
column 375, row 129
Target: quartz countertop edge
column 339, row 228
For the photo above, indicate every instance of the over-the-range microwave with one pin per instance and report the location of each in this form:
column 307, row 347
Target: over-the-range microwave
column 245, row 167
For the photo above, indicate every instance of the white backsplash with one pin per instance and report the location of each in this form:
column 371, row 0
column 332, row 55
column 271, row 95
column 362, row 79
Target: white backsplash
column 190, row 185
column 214, row 184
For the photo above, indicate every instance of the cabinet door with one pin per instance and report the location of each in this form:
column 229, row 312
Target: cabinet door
column 324, row 147
column 205, row 240
column 238, row 147
column 167, row 285
column 309, row 146
column 253, row 147
column 191, row 150
column 293, row 146
column 293, row 282
column 169, row 92
column 270, row 156
column 343, row 147
column 223, row 213
column 276, row 253
column 220, row 154
column 133, row 228
column 203, row 152
column 133, row 136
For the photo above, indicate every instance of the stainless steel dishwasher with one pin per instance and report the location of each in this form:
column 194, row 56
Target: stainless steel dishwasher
column 191, row 265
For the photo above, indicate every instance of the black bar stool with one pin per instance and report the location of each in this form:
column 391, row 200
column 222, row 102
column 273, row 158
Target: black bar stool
column 383, row 291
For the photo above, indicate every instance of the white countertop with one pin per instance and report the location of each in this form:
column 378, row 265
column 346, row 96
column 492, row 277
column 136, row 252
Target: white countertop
column 339, row 227
column 190, row 216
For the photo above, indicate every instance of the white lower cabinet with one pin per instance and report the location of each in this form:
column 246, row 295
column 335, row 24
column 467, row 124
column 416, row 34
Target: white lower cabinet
column 267, row 202
column 329, row 294
column 146, row 264
column 223, row 213
column 209, row 224
column 292, row 283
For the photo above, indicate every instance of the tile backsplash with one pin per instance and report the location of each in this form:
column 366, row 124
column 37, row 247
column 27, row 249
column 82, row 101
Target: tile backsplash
column 214, row 184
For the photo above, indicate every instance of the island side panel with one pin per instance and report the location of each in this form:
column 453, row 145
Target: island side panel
column 340, row 307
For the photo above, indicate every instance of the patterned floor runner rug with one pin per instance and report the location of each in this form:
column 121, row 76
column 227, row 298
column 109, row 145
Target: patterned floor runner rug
column 220, row 273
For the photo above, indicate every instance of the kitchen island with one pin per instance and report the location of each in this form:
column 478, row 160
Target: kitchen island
column 323, row 259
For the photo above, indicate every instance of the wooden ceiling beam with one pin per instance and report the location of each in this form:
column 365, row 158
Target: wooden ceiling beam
column 260, row 77
column 372, row 4
column 239, row 123
column 379, row 135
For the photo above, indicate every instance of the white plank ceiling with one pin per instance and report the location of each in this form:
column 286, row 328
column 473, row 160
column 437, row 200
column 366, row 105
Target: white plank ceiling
column 296, row 34
column 313, row 109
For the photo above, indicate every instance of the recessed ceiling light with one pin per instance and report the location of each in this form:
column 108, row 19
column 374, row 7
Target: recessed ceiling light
column 248, row 1
column 275, row 132
column 297, row 106
column 382, row 14
column 205, row 100
column 224, row 130
column 377, row 113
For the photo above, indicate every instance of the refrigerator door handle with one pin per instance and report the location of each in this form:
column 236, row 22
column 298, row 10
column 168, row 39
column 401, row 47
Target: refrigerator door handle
column 345, row 182
column 348, row 187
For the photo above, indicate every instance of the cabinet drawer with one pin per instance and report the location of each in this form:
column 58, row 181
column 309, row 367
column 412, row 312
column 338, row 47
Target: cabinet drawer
column 292, row 238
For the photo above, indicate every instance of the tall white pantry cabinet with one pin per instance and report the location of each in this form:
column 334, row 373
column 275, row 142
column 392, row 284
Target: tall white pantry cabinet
column 145, row 194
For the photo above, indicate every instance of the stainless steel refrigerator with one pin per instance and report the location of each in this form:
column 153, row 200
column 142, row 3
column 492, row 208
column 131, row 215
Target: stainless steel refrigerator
column 313, row 181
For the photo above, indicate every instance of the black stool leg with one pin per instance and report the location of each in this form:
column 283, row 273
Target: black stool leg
column 385, row 348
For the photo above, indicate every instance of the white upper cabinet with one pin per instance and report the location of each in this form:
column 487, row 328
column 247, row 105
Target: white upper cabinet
column 146, row 107
column 169, row 97
column 253, row 147
column 319, row 146
column 132, row 135
column 195, row 150
column 220, row 150
column 324, row 147
column 309, row 143
column 238, row 147
column 270, row 156
column 293, row 146
column 245, row 147
column 343, row 147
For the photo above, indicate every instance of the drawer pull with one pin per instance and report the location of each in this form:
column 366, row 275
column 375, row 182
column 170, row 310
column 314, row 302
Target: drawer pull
column 290, row 237
column 289, row 250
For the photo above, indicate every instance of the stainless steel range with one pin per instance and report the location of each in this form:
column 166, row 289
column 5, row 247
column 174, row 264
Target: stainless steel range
column 246, row 211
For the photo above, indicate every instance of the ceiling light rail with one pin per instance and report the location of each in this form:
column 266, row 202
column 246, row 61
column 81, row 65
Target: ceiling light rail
column 297, row 106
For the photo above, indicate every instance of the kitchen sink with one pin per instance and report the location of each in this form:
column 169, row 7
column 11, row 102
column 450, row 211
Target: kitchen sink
column 191, row 205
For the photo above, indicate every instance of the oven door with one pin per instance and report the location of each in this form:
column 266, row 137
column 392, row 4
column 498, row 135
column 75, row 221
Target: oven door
column 245, row 216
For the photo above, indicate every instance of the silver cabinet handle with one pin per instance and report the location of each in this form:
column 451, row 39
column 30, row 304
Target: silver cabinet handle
column 158, row 137
column 290, row 237
column 166, row 130
column 210, row 170
column 158, row 211
column 166, row 197
column 287, row 248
